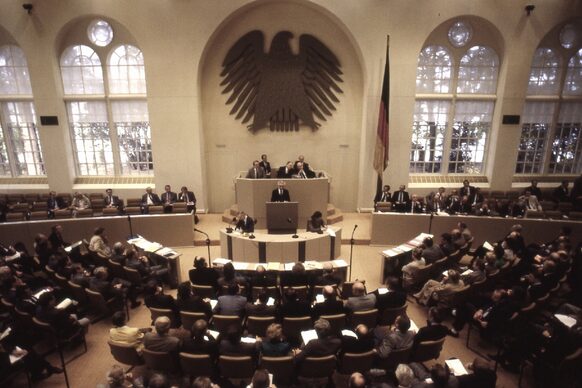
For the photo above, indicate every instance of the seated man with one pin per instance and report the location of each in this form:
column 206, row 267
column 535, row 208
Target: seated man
column 111, row 200
column 280, row 194
column 231, row 344
column 143, row 266
column 123, row 334
column 80, row 202
column 360, row 301
column 561, row 193
column 160, row 340
column 203, row 275
column 98, row 243
column 189, row 198
column 64, row 323
column 201, row 341
column 431, row 252
column 400, row 338
column 54, row 203
column 414, row 205
column 293, row 306
column 168, row 199
column 363, row 343
column 399, row 199
column 286, row 171
column 467, row 190
column 435, row 290
column 434, row 329
column 300, row 172
column 309, row 173
column 383, row 196
column 245, row 223
column 118, row 288
column 328, row 277
column 330, row 304
column 395, row 297
column 149, row 199
column 154, row 297
column 529, row 202
column 256, row 172
column 264, row 163
column 325, row 344
column 260, row 308
column 232, row 303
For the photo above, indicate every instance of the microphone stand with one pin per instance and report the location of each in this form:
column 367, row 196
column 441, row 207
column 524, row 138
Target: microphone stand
column 207, row 241
column 352, row 251
column 130, row 226
column 430, row 222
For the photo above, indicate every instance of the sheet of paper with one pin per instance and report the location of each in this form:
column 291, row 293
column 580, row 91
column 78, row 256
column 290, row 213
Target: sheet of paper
column 239, row 266
column 64, row 304
column 270, row 301
column 319, row 298
column 213, row 303
column 413, row 326
column 213, row 333
column 349, row 333
column 331, row 232
column 289, row 266
column 38, row 294
column 273, row 266
column 339, row 263
column 14, row 359
column 220, row 261
column 566, row 320
column 308, row 335
column 5, row 333
column 488, row 246
column 248, row 340
column 310, row 264
column 166, row 252
column 382, row 291
column 456, row 366
column 467, row 272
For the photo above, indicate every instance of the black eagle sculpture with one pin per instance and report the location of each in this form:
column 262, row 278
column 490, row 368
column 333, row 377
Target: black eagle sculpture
column 278, row 88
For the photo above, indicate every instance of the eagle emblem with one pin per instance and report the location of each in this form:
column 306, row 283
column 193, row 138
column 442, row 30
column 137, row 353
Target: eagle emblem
column 279, row 89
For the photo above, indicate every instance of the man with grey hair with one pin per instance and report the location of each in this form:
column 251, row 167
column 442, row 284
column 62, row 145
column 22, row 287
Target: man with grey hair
column 280, row 194
column 360, row 301
column 325, row 344
column 160, row 340
column 404, row 376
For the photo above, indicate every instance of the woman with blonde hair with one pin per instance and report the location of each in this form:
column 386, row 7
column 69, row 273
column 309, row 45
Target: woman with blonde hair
column 274, row 344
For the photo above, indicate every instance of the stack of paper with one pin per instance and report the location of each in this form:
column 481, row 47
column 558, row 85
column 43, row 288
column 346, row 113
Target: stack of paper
column 247, row 340
column 382, row 291
column 319, row 298
column 213, row 303
column 240, row 266
column 273, row 266
column 64, row 304
column 456, row 366
column 349, row 333
column 270, row 301
column 566, row 320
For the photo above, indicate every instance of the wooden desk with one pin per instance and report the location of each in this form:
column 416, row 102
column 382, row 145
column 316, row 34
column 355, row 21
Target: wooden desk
column 280, row 247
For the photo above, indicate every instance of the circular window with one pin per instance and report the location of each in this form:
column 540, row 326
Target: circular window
column 460, row 34
column 100, row 33
column 568, row 36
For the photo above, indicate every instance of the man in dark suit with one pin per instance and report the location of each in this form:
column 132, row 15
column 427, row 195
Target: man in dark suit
column 434, row 329
column 54, row 203
column 330, row 305
column 168, row 199
column 232, row 303
column 401, row 338
column 395, row 297
column 203, row 275
column 111, row 200
column 400, row 198
column 534, row 190
column 265, row 165
column 431, row 252
column 201, row 341
column 149, row 199
column 154, row 297
column 261, row 278
column 118, row 288
column 309, row 173
column 293, row 307
column 160, row 340
column 256, row 172
column 328, row 277
column 363, row 343
column 561, row 193
column 324, row 345
column 189, row 198
column 383, row 196
column 260, row 308
column 280, row 194
column 286, row 171
column 413, row 206
column 467, row 189
column 231, row 344
column 476, row 198
column 245, row 223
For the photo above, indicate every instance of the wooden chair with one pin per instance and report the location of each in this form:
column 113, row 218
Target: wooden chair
column 318, row 369
column 155, row 313
column 293, row 326
column 125, row 354
column 223, row 322
column 116, row 269
column 188, row 318
column 389, row 315
column 337, row 322
column 195, row 365
column 79, row 293
column 282, row 368
column 102, row 307
column 110, row 211
column 236, row 369
column 257, row 326
column 398, row 356
column 368, row 318
column 428, row 350
column 63, row 213
column 133, row 276
column 160, row 361
column 356, row 362
column 38, row 215
column 155, row 209
column 15, row 217
column 204, row 291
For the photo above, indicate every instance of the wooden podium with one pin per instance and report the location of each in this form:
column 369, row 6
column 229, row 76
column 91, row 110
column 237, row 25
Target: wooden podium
column 282, row 217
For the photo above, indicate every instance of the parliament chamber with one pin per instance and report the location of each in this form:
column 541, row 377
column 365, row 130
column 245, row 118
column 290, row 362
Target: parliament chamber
column 290, row 193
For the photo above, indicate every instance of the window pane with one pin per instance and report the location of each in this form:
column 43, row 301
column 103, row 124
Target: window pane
column 469, row 136
column 536, row 123
column 428, row 133
column 4, row 163
column 573, row 86
column 14, row 78
column 478, row 71
column 566, row 144
column 23, row 134
column 91, row 141
column 433, row 74
column 81, row 71
column 126, row 71
column 100, row 33
column 544, row 76
column 134, row 135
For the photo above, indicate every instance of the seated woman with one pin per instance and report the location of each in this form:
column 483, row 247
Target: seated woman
column 409, row 271
column 450, row 283
column 274, row 345
column 316, row 223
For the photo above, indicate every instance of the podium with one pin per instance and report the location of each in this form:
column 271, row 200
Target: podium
column 282, row 217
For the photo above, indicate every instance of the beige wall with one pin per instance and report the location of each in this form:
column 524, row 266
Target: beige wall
column 196, row 143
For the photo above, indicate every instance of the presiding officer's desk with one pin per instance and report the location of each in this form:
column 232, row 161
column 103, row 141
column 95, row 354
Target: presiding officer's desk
column 311, row 194
column 395, row 228
column 281, row 247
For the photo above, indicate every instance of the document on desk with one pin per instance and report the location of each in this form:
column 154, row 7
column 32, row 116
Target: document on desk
column 566, row 320
column 220, row 261
column 339, row 263
column 240, row 266
column 331, row 232
column 273, row 266
column 289, row 266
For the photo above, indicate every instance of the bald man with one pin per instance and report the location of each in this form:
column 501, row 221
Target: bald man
column 160, row 340
column 330, row 305
column 360, row 301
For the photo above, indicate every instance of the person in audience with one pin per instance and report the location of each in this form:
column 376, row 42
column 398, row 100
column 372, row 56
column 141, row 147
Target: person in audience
column 436, row 290
column 154, row 297
column 261, row 278
column 149, row 199
column 433, row 203
column 98, row 243
column 383, row 196
column 231, row 344
column 465, row 232
column 405, row 376
column 120, row 289
column 261, row 379
column 260, row 308
column 316, row 223
column 118, row 255
column 330, row 304
column 168, row 198
column 357, row 380
column 245, row 223
column 274, row 344
column 111, row 200
column 117, row 378
column 410, row 270
column 477, row 273
column 54, row 203
column 484, row 209
column 64, row 323
column 143, row 266
column 328, row 277
column 399, row 338
column 300, row 162
column 453, row 202
column 159, row 340
column 324, row 345
column 265, row 165
column 360, row 301
column 300, row 172
column 42, row 248
column 80, row 275
column 483, row 375
column 189, row 198
column 446, row 244
column 56, row 238
column 441, row 378
column 280, row 194
column 201, row 341
column 467, row 189
column 414, row 205
column 293, row 306
column 534, row 190
column 395, row 297
column 203, row 275
column 203, row 382
column 399, row 199
column 286, row 171
column 431, row 252
column 230, row 277
column 187, row 301
column 476, row 199
column 465, row 206
column 362, row 343
column 458, row 239
column 297, row 277
column 232, row 303
column 256, row 172
column 123, row 334
column 80, row 202
column 529, row 202
column 434, row 329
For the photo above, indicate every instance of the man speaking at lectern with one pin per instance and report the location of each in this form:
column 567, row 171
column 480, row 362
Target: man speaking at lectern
column 280, row 194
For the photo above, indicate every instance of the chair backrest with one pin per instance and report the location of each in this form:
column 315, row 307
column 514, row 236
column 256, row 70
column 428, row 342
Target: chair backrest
column 132, row 210
column 553, row 214
column 272, row 292
column 302, row 292
column 63, row 213
column 337, row 322
column 222, row 322
column 84, row 213
column 98, row 302
column 423, row 274
column 204, row 291
column 258, row 325
column 13, row 217
column 188, row 318
column 236, row 367
column 357, row 362
column 110, row 211
column 155, row 209
column 317, row 367
column 116, row 269
column 367, row 317
column 78, row 292
column 133, row 275
column 160, row 361
column 282, row 369
column 179, row 207
column 428, row 350
column 383, row 206
column 38, row 215
column 347, row 291
column 534, row 214
column 389, row 315
column 456, row 298
column 134, row 202
column 478, row 287
column 318, row 289
column 125, row 353
column 62, row 282
column 293, row 326
column 155, row 313
column 398, row 356
column 195, row 365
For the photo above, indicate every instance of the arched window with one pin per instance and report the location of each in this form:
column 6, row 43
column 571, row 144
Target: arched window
column 450, row 129
column 544, row 77
column 110, row 127
column 573, row 86
column 20, row 150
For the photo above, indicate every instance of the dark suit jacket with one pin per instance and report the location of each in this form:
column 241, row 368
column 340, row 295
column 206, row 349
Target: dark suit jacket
column 357, row 345
column 379, row 197
column 432, row 254
column 246, row 224
column 391, row 299
column 308, row 171
column 328, row 307
column 113, row 201
column 266, row 166
column 276, row 197
column 231, row 305
column 105, row 288
column 155, row 199
column 263, row 280
column 52, row 202
column 170, row 197
column 160, row 301
column 319, row 348
column 260, row 310
column 209, row 347
column 560, row 194
column 194, row 305
column 396, row 196
column 430, row 333
column 467, row 191
column 417, row 208
column 187, row 197
column 295, row 309
column 259, row 174
column 226, row 348
column 204, row 276
column 284, row 173
column 166, row 343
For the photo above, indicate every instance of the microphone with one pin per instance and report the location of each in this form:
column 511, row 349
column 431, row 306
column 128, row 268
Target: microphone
column 199, row 231
column 353, row 231
column 290, row 221
column 229, row 227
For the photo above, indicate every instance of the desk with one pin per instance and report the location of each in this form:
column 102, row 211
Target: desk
column 252, row 194
column 280, row 247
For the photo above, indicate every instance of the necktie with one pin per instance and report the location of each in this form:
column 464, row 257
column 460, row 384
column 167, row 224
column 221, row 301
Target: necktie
column 400, row 197
column 280, row 192
column 110, row 200
column 302, row 174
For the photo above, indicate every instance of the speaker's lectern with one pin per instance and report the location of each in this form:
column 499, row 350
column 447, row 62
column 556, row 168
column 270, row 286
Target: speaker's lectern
column 282, row 217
